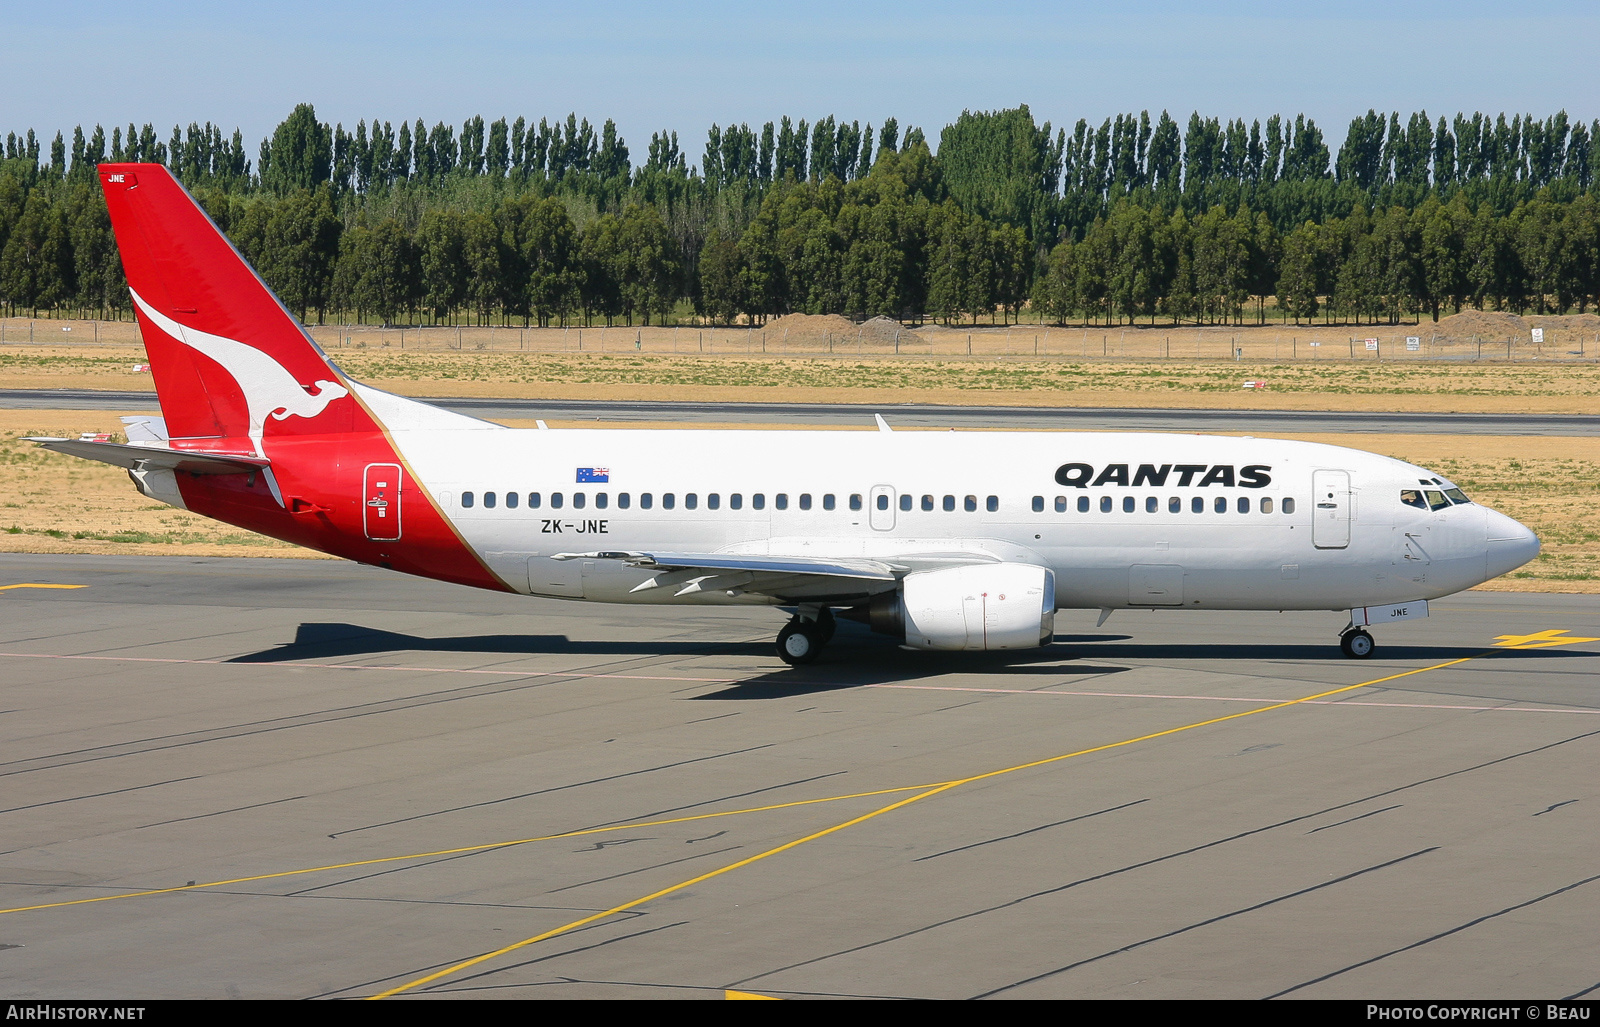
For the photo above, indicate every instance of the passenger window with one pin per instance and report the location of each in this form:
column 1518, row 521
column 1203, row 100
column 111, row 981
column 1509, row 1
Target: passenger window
column 1127, row 504
column 1243, row 505
column 601, row 500
column 1061, row 504
column 624, row 500
column 905, row 501
column 949, row 504
column 1266, row 504
column 1436, row 500
column 735, row 500
column 1413, row 497
column 555, row 500
column 927, row 502
column 1038, row 504
column 759, row 500
column 466, row 501
column 1220, row 504
column 827, row 501
column 993, row 503
column 533, row 501
column 1105, row 504
column 1197, row 505
column 1288, row 504
column 646, row 501
column 668, row 500
column 691, row 500
column 580, row 500
column 511, row 500
column 805, row 500
column 780, row 501
column 1174, row 505
column 714, row 501
column 970, row 504
column 1083, row 504
column 883, row 502
column 488, row 500
column 1151, row 504
column 855, row 500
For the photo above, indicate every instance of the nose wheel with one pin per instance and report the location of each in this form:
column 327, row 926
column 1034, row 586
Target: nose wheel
column 803, row 638
column 1357, row 645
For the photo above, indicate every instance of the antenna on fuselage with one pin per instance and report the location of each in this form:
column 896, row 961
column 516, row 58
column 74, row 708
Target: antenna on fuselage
column 882, row 424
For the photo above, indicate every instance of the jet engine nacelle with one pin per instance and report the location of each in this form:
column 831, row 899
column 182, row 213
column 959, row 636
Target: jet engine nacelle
column 986, row 606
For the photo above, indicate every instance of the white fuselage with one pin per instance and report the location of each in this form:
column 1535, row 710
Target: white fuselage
column 1287, row 525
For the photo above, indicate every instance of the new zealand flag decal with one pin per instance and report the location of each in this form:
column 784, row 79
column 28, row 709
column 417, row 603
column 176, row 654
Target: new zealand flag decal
column 594, row 475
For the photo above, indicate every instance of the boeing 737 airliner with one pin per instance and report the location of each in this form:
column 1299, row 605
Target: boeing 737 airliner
column 943, row 540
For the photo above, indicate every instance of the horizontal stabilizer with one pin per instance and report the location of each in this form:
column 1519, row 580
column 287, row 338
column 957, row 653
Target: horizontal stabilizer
column 154, row 458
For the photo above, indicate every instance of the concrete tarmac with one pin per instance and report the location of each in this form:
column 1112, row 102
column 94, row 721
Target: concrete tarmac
column 305, row 779
column 916, row 415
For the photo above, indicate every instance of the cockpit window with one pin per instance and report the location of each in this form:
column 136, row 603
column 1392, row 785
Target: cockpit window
column 1413, row 497
column 1436, row 500
column 1457, row 496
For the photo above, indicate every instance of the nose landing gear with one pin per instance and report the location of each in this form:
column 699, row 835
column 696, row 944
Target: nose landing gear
column 804, row 636
column 1356, row 644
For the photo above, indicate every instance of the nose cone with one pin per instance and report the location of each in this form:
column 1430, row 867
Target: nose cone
column 1508, row 544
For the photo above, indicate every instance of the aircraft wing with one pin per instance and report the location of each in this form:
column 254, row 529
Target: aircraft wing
column 787, row 578
column 154, row 458
column 791, row 579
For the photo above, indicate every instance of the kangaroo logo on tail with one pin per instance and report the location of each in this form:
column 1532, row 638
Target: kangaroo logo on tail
column 269, row 390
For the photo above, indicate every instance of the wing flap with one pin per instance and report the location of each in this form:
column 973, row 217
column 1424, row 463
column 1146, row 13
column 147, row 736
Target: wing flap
column 873, row 570
column 787, row 578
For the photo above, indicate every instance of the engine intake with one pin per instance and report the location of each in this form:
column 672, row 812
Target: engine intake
column 980, row 607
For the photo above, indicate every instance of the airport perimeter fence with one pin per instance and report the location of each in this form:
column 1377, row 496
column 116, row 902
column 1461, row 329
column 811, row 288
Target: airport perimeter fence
column 1406, row 343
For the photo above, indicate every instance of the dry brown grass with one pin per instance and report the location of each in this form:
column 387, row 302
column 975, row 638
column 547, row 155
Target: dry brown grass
column 1437, row 387
column 51, row 503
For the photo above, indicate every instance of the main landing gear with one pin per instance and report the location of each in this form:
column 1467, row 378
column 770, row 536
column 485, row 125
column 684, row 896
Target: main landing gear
column 1356, row 643
column 804, row 636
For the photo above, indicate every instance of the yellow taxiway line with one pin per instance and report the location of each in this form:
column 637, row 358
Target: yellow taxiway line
column 928, row 792
column 36, row 584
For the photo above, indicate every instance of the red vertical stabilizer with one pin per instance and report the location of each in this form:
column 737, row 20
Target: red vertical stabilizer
column 229, row 360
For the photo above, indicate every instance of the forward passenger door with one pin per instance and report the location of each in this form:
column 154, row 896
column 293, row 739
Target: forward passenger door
column 1330, row 513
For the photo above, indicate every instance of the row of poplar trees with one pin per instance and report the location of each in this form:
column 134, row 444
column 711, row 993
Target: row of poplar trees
column 552, row 223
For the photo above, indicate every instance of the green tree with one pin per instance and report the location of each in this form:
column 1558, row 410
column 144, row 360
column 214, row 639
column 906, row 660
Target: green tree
column 1001, row 167
column 441, row 259
column 1442, row 257
column 299, row 155
column 721, row 285
column 1302, row 272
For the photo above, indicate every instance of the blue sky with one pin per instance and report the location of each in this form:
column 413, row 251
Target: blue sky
column 685, row 65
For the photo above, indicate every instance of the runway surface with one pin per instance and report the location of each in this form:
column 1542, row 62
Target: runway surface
column 910, row 415
column 305, row 779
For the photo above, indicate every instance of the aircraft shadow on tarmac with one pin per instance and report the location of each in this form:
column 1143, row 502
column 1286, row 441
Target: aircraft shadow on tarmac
column 321, row 641
column 856, row 657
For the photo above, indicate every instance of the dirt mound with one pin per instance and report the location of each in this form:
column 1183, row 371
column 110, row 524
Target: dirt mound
column 1498, row 324
column 886, row 330
column 792, row 329
column 1573, row 322
column 1488, row 323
